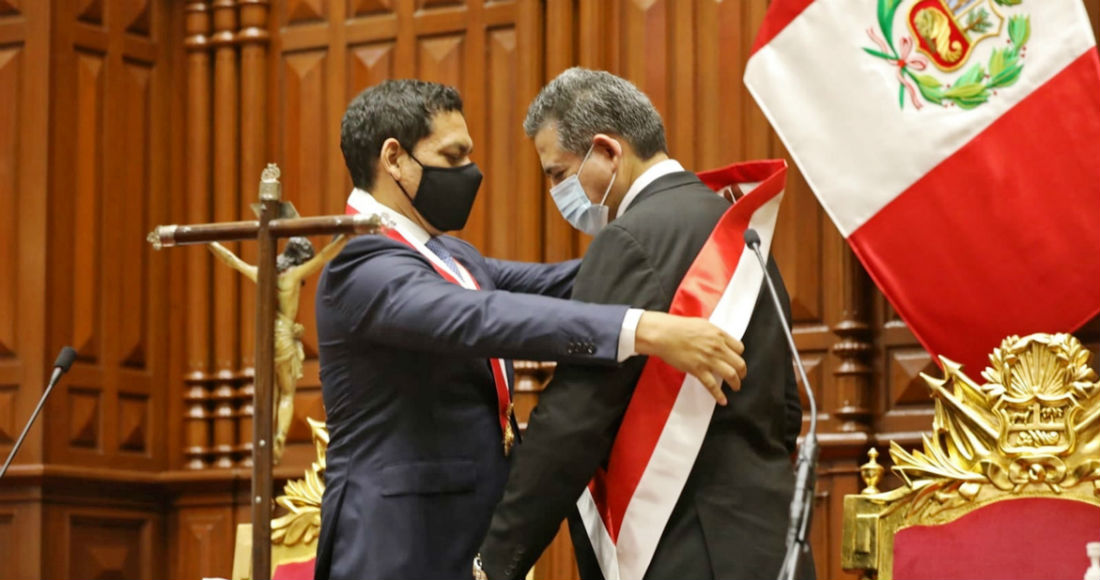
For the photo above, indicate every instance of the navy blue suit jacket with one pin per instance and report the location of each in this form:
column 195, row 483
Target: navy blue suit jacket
column 415, row 462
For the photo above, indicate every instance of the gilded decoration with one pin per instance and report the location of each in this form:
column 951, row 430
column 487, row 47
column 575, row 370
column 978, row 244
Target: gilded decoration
column 302, row 498
column 1031, row 429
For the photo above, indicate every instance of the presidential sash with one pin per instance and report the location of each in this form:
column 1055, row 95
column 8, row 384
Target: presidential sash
column 625, row 507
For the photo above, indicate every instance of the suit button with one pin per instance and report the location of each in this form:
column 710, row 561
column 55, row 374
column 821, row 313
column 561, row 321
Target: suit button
column 509, row 571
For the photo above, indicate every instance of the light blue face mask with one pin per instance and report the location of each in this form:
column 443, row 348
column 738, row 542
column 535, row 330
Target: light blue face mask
column 575, row 206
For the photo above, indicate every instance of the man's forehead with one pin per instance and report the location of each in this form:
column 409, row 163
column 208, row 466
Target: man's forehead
column 549, row 148
column 449, row 129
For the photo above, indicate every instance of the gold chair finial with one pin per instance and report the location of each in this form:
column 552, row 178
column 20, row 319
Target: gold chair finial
column 871, row 472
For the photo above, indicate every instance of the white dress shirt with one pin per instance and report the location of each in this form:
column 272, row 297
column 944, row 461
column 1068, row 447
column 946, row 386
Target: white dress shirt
column 650, row 175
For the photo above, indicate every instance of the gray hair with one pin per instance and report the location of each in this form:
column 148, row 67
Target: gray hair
column 585, row 102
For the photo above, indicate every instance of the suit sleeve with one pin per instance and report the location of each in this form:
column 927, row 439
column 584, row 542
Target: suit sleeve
column 554, row 279
column 572, row 429
column 395, row 298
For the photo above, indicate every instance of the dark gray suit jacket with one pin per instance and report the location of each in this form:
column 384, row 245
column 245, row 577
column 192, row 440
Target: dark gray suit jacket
column 731, row 519
column 415, row 461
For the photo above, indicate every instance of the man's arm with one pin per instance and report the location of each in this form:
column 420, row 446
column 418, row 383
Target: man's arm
column 693, row 346
column 554, row 279
column 394, row 298
column 572, row 429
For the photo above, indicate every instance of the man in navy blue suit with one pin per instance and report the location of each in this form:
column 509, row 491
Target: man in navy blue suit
column 415, row 329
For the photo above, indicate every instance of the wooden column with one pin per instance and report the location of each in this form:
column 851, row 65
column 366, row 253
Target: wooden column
column 226, row 202
column 198, row 436
column 253, row 39
column 853, row 371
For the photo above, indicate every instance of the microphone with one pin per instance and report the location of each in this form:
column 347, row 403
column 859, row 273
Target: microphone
column 60, row 366
column 798, row 530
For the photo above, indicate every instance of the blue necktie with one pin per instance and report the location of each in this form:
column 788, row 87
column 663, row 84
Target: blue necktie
column 436, row 246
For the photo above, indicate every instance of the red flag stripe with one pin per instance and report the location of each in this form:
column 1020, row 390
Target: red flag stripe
column 963, row 227
column 779, row 15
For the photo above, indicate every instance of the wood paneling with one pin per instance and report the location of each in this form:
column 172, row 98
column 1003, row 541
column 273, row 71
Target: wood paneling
column 101, row 548
column 84, row 418
column 8, row 423
column 24, row 154
column 202, row 536
column 107, row 294
column 88, row 197
column 102, row 539
column 117, row 115
column 90, row 11
column 11, row 70
column 20, row 539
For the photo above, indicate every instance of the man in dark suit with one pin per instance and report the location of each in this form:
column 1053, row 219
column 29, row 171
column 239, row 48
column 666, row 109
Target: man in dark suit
column 599, row 137
column 410, row 325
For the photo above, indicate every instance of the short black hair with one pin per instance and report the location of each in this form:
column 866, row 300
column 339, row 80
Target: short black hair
column 401, row 109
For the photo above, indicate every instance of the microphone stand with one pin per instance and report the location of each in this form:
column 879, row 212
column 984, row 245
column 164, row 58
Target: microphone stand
column 60, row 367
column 798, row 529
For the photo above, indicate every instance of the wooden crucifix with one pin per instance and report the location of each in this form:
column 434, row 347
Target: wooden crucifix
column 266, row 231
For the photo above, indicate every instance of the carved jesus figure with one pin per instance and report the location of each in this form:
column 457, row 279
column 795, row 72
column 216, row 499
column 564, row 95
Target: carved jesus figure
column 296, row 263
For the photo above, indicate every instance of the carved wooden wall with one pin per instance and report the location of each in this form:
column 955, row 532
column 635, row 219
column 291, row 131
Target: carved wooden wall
column 84, row 156
column 116, row 115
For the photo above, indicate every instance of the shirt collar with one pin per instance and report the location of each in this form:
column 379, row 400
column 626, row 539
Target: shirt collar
column 650, row 175
column 366, row 203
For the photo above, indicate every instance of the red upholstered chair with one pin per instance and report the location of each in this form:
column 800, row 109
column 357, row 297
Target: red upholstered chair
column 1007, row 485
column 294, row 534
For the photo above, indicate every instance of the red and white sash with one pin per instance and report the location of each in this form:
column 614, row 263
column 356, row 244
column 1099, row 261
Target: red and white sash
column 625, row 508
column 359, row 204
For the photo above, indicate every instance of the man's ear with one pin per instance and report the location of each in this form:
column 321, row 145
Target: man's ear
column 609, row 146
column 389, row 156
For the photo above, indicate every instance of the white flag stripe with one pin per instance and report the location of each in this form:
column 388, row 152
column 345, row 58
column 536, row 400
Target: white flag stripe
column 681, row 438
column 817, row 87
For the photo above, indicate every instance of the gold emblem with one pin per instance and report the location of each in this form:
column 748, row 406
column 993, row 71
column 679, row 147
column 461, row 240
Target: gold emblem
column 948, row 31
column 509, row 434
column 302, row 498
column 1035, row 422
column 1030, row 430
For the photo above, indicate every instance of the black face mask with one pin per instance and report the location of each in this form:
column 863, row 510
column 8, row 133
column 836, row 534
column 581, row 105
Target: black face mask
column 446, row 194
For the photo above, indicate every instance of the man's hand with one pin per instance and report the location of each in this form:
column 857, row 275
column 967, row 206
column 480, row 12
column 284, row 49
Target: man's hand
column 694, row 346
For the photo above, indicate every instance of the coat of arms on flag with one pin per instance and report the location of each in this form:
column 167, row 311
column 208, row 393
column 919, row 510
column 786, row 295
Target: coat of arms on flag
column 967, row 37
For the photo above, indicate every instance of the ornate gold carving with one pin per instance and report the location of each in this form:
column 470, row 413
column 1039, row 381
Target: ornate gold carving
column 1034, row 423
column 1032, row 429
column 871, row 472
column 302, row 498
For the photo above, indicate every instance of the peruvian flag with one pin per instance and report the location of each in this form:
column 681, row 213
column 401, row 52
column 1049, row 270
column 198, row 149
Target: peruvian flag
column 625, row 507
column 956, row 145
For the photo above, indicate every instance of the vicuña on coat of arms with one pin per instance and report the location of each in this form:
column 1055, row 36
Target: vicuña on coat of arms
column 974, row 45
